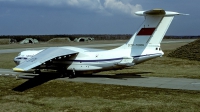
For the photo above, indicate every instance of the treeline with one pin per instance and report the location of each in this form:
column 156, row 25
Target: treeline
column 44, row 38
column 72, row 37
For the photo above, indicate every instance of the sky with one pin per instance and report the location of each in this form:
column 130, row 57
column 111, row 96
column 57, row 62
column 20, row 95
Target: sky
column 49, row 17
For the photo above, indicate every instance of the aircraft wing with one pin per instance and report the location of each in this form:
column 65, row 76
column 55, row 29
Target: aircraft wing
column 42, row 57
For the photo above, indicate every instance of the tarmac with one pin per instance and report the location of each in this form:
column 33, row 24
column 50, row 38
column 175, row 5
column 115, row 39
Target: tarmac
column 125, row 80
column 153, row 82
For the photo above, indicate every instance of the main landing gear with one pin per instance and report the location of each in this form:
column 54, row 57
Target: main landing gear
column 64, row 73
column 61, row 71
column 72, row 74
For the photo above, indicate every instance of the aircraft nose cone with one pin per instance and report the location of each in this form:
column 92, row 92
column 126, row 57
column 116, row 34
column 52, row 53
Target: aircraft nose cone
column 17, row 62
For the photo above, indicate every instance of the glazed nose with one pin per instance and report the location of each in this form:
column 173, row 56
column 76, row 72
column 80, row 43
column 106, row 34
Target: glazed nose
column 17, row 62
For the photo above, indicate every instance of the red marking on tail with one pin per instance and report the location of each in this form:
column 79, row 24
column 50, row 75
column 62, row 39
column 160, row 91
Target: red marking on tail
column 146, row 31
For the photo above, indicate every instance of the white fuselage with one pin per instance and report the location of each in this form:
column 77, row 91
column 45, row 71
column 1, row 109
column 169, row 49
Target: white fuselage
column 111, row 59
column 87, row 60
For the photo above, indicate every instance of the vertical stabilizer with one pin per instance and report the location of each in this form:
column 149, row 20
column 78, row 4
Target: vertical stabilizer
column 151, row 32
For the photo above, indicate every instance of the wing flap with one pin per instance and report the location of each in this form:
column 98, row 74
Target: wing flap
column 42, row 57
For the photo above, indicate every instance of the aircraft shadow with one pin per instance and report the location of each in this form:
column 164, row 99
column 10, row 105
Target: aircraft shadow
column 117, row 76
column 35, row 81
column 47, row 76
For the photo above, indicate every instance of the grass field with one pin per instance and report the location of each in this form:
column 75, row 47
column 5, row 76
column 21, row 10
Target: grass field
column 7, row 60
column 57, row 95
column 4, row 41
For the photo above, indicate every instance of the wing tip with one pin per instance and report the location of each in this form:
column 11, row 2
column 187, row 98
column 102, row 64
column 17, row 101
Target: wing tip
column 18, row 70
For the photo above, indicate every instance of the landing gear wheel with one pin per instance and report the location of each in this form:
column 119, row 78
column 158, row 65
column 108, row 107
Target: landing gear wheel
column 62, row 72
column 63, row 75
column 71, row 76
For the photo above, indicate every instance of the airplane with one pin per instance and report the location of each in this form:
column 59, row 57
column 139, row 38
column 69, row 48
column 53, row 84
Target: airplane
column 142, row 46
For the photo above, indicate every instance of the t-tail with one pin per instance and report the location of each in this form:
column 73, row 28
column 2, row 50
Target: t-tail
column 146, row 41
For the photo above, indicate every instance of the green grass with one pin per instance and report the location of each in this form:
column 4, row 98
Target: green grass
column 7, row 60
column 4, row 41
column 75, row 96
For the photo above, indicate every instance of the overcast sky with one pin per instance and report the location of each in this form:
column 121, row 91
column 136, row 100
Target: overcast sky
column 41, row 17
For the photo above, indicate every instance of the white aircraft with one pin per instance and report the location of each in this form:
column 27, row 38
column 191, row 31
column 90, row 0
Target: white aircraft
column 142, row 46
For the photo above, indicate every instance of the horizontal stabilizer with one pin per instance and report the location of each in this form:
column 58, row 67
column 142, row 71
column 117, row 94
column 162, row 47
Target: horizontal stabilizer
column 155, row 12
column 126, row 61
column 42, row 57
